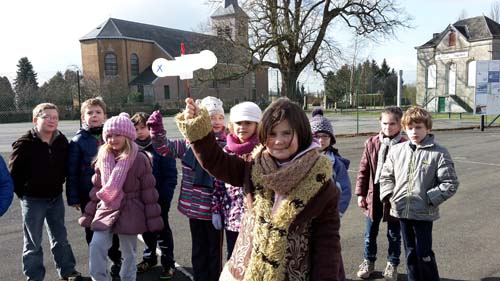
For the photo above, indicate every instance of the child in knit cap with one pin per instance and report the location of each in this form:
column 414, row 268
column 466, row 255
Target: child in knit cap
column 322, row 130
column 228, row 200
column 123, row 200
column 197, row 188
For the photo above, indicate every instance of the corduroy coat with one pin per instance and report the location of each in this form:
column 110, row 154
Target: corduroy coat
column 139, row 211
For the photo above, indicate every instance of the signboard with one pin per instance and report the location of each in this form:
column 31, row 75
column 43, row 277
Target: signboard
column 456, row 55
column 487, row 94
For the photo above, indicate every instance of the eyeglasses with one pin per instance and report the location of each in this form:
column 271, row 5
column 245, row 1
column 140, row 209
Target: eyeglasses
column 47, row 117
column 321, row 136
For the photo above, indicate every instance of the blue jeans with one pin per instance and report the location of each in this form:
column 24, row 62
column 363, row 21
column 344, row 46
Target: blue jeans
column 393, row 237
column 35, row 212
column 420, row 260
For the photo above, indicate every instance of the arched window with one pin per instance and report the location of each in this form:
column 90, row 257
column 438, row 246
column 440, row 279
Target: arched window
column 110, row 65
column 227, row 32
column 471, row 73
column 134, row 64
column 452, row 39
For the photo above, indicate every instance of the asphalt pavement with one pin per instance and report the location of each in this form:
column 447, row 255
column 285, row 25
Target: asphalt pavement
column 465, row 238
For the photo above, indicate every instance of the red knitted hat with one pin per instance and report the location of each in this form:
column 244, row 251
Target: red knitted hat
column 119, row 125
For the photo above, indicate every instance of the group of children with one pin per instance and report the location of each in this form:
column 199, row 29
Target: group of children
column 273, row 181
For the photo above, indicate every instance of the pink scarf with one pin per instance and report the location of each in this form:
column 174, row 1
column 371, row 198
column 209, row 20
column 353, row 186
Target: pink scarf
column 113, row 174
column 234, row 144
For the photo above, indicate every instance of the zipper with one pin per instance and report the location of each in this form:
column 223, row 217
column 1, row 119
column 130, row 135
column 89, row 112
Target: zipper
column 410, row 183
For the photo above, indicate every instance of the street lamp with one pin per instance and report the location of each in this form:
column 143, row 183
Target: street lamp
column 78, row 84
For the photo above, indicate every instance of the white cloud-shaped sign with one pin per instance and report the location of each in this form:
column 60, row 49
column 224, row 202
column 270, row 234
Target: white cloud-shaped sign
column 185, row 65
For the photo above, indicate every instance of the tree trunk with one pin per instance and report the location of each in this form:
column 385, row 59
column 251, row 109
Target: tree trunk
column 289, row 85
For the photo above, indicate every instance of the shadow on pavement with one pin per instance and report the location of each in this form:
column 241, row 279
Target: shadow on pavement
column 490, row 279
column 377, row 275
column 154, row 274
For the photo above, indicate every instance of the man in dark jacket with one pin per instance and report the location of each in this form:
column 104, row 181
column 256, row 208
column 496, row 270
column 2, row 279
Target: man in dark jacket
column 38, row 169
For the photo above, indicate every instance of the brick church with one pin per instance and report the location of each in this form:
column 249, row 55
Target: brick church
column 125, row 50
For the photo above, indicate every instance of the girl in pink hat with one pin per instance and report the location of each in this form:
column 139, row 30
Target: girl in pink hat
column 123, row 199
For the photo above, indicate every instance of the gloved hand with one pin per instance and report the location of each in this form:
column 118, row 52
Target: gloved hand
column 155, row 123
column 217, row 221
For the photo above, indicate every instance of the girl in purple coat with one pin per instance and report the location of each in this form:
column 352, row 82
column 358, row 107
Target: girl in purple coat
column 123, row 200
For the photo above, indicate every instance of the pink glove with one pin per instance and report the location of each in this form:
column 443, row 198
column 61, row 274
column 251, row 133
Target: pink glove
column 155, row 123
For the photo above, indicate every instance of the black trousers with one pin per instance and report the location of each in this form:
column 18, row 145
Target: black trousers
column 206, row 250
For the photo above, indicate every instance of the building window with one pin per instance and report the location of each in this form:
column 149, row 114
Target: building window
column 134, row 65
column 219, row 31
column 471, row 73
column 227, row 32
column 431, row 76
column 110, row 65
column 452, row 39
column 166, row 92
column 452, row 78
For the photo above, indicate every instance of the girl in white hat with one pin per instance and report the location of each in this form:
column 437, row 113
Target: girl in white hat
column 228, row 200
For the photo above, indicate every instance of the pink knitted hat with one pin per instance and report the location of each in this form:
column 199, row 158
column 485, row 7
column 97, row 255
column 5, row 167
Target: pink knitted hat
column 119, row 125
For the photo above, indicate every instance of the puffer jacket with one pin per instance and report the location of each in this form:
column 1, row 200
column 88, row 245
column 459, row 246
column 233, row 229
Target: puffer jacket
column 139, row 211
column 341, row 178
column 82, row 150
column 6, row 188
column 417, row 180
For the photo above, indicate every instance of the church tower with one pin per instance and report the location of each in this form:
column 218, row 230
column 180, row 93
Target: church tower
column 231, row 21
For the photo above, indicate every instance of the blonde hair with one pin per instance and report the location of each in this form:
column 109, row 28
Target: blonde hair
column 93, row 102
column 38, row 110
column 106, row 148
column 416, row 114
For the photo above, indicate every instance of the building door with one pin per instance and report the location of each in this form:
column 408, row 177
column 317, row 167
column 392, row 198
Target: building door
column 452, row 78
column 441, row 104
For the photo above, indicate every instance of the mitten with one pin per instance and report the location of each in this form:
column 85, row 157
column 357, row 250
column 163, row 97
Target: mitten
column 217, row 221
column 155, row 123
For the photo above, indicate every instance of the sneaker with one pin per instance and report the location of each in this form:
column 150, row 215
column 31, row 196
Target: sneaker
column 144, row 266
column 391, row 272
column 167, row 273
column 115, row 269
column 75, row 276
column 366, row 269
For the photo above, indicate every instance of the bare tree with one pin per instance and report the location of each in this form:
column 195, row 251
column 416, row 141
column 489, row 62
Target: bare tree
column 495, row 11
column 463, row 15
column 290, row 35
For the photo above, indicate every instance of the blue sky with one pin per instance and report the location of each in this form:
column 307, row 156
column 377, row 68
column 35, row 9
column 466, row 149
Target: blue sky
column 47, row 32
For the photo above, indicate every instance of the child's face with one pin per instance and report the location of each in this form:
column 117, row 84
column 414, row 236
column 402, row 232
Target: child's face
column 417, row 132
column 117, row 142
column 217, row 121
column 94, row 116
column 282, row 143
column 47, row 121
column 390, row 125
column 244, row 130
column 141, row 131
column 324, row 139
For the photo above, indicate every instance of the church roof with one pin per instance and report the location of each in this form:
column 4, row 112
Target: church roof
column 473, row 29
column 168, row 39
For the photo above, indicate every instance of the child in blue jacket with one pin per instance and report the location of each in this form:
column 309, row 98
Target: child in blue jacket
column 6, row 188
column 323, row 132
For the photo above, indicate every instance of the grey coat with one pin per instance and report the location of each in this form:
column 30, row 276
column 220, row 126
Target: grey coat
column 417, row 182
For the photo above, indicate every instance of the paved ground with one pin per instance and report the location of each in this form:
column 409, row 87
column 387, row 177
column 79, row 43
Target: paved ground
column 465, row 238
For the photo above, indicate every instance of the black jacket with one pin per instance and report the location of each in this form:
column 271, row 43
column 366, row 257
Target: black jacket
column 38, row 169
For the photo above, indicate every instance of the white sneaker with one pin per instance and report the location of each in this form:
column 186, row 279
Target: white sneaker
column 391, row 272
column 366, row 269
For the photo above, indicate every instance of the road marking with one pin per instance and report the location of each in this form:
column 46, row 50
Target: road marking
column 177, row 266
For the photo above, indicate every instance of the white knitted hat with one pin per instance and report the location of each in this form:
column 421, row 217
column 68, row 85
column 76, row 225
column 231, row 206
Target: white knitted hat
column 245, row 111
column 212, row 104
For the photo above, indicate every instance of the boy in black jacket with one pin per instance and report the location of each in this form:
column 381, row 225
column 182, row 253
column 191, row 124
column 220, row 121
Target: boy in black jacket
column 38, row 169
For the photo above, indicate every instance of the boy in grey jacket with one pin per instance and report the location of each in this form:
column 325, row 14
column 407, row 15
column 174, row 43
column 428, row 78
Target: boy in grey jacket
column 416, row 178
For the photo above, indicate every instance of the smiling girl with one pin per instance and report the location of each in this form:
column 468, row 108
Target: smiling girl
column 291, row 229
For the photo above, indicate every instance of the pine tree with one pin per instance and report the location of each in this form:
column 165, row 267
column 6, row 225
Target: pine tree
column 25, row 85
column 6, row 94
